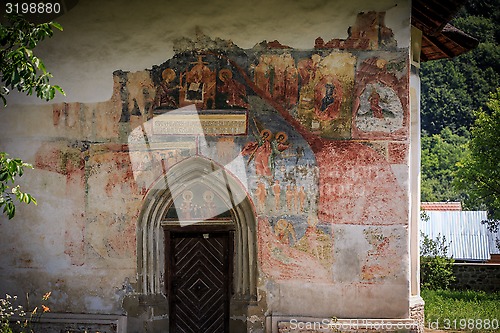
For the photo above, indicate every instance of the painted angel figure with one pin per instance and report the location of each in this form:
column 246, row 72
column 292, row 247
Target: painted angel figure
column 264, row 151
column 260, row 151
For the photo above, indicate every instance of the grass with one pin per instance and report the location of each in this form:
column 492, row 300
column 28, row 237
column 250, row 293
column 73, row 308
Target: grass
column 466, row 310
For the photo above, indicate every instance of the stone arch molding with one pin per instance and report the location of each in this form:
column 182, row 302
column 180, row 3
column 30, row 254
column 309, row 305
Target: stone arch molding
column 150, row 235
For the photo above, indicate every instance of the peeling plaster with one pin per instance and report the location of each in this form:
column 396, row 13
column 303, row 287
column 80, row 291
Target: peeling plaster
column 101, row 35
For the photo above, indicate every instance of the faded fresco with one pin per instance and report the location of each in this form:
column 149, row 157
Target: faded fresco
column 380, row 98
column 318, row 139
column 317, row 132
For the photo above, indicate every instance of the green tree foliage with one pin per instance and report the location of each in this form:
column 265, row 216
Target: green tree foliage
column 20, row 68
column 479, row 171
column 453, row 88
column 9, row 170
column 444, row 99
column 490, row 8
column 440, row 155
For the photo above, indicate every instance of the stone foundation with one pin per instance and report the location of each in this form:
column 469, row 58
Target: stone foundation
column 484, row 277
column 417, row 312
column 80, row 323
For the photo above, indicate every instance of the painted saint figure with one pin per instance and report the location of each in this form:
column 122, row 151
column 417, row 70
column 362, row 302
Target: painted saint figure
column 198, row 85
column 235, row 91
column 374, row 104
column 261, row 74
column 285, row 231
column 310, row 75
column 260, row 151
column 278, row 145
column 166, row 92
column 302, row 199
column 282, row 261
column 295, row 198
column 329, row 97
column 261, row 194
column 225, row 149
column 311, row 236
column 187, row 206
column 291, row 84
column 209, row 208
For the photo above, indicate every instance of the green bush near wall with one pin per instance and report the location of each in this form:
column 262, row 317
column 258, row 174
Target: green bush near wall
column 436, row 270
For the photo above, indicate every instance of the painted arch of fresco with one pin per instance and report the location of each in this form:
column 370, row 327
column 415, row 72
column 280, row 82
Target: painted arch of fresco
column 150, row 236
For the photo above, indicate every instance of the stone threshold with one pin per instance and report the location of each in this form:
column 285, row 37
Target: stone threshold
column 54, row 322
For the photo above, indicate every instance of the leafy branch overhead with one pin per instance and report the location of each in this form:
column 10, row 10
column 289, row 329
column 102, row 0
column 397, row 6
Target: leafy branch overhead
column 9, row 170
column 20, row 68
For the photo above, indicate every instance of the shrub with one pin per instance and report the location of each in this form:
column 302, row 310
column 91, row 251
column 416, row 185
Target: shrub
column 436, row 269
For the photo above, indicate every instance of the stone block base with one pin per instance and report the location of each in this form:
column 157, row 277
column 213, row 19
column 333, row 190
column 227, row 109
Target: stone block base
column 80, row 323
column 417, row 312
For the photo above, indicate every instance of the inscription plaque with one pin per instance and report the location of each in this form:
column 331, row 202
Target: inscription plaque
column 201, row 124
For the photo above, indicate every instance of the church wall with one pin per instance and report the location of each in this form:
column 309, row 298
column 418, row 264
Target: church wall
column 311, row 121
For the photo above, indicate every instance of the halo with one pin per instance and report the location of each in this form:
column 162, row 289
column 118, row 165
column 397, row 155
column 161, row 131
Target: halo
column 224, row 74
column 283, row 135
column 208, row 196
column 381, row 63
column 168, row 74
column 281, row 225
column 374, row 92
column 268, row 132
column 187, row 195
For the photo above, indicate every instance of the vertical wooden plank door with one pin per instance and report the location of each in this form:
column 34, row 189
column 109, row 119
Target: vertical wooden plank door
column 199, row 282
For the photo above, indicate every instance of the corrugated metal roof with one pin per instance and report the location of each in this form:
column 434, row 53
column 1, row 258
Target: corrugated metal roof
column 466, row 235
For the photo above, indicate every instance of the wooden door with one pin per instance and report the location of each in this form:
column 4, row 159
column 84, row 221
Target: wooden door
column 199, row 281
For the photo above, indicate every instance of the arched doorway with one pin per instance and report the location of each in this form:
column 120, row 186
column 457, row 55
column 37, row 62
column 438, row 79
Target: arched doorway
column 200, row 205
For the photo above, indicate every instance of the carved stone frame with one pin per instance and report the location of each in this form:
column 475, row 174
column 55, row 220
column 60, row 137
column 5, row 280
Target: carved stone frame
column 150, row 233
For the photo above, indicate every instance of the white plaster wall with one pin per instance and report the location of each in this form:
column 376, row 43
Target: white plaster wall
column 415, row 177
column 102, row 36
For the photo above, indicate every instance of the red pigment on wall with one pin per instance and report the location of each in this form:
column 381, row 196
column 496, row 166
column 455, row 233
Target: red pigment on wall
column 282, row 262
column 397, row 153
column 357, row 186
